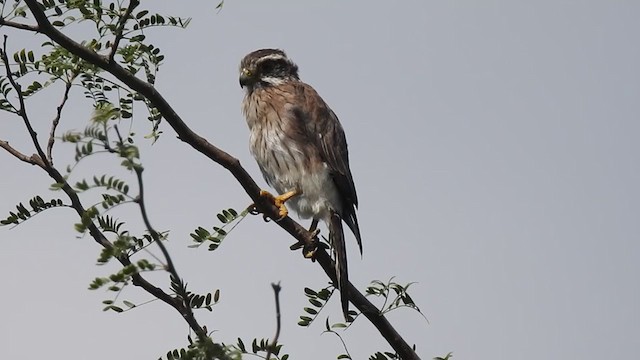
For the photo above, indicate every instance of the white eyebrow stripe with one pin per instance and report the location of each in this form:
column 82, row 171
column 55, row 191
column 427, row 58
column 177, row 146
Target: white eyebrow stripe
column 273, row 57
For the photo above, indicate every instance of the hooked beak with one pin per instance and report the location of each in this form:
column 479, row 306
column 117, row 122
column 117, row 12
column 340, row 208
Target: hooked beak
column 245, row 78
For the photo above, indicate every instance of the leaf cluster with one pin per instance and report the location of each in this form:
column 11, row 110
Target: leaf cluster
column 395, row 295
column 259, row 348
column 317, row 300
column 227, row 217
column 37, row 205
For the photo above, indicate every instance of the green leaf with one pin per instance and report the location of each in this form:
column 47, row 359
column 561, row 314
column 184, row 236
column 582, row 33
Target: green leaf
column 137, row 38
column 324, row 294
column 310, row 292
column 241, row 346
column 114, row 308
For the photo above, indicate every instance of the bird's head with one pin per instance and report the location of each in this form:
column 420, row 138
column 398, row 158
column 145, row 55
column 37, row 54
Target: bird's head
column 266, row 67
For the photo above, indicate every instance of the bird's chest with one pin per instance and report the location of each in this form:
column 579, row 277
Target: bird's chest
column 283, row 159
column 288, row 156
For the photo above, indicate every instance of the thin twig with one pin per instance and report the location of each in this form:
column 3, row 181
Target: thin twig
column 344, row 345
column 274, row 342
column 20, row 156
column 56, row 120
column 120, row 29
column 20, row 26
column 186, row 311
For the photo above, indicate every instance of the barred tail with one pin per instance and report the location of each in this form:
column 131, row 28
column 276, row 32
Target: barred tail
column 336, row 236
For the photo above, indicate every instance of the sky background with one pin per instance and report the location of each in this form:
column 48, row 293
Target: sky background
column 495, row 150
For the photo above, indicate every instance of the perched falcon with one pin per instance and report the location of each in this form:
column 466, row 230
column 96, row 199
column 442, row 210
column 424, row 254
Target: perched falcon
column 301, row 150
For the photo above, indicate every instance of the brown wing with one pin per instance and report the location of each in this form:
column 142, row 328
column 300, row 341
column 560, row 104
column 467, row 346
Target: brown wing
column 323, row 127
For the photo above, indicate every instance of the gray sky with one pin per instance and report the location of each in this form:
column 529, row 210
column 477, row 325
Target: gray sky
column 494, row 148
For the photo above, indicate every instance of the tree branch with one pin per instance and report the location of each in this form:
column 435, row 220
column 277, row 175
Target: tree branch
column 22, row 111
column 56, row 120
column 20, row 156
column 100, row 238
column 186, row 311
column 20, row 26
column 274, row 342
column 120, row 29
column 228, row 162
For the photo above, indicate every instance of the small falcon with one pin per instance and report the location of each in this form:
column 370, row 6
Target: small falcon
column 301, row 150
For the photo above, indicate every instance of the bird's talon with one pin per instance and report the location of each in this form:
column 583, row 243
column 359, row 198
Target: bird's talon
column 297, row 245
column 282, row 211
column 253, row 209
column 279, row 201
column 309, row 249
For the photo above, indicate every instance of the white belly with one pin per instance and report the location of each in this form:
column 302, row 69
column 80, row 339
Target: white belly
column 289, row 168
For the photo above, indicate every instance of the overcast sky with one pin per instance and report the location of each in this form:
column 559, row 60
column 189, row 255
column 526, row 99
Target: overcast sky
column 494, row 146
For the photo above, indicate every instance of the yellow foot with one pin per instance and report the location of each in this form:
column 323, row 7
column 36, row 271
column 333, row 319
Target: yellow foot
column 278, row 201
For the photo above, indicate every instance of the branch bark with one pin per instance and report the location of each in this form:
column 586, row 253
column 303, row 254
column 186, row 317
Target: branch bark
column 17, row 25
column 56, row 120
column 225, row 160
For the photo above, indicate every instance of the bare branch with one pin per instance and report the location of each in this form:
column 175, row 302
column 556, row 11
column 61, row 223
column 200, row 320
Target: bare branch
column 274, row 342
column 20, row 26
column 33, row 160
column 120, row 29
column 56, row 120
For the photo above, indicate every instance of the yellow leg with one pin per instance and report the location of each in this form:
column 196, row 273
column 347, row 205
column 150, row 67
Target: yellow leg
column 280, row 200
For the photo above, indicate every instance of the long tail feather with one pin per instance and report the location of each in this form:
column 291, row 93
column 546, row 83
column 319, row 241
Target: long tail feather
column 336, row 236
column 352, row 221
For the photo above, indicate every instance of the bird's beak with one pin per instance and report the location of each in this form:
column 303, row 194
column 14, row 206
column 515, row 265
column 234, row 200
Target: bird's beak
column 245, row 77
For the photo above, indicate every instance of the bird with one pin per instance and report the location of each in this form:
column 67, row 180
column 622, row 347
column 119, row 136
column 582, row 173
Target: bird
column 301, row 150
